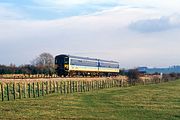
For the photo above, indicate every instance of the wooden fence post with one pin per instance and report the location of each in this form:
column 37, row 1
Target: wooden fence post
column 111, row 83
column 61, row 90
column 20, row 93
column 122, row 83
column 70, row 86
column 92, row 85
column 47, row 87
column 57, row 87
column 54, row 85
column 117, row 83
column 14, row 90
column 84, row 90
column 87, row 85
column 50, row 86
column 2, row 91
column 29, row 90
column 77, row 90
column 87, row 88
column 105, row 83
column 64, row 87
column 42, row 88
column 73, row 87
column 7, row 84
column 95, row 85
column 102, row 84
column 98, row 84
column 114, row 83
column 34, row 95
column 67, row 86
column 38, row 90
column 81, row 86
column 24, row 89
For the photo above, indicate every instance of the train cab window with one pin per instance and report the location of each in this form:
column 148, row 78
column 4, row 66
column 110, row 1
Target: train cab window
column 55, row 61
column 66, row 60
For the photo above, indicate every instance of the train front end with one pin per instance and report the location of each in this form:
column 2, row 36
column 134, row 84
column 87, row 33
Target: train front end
column 62, row 65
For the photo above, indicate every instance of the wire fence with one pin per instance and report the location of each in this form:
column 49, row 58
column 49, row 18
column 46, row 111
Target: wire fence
column 13, row 90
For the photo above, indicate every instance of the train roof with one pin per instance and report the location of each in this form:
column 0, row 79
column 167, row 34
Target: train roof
column 72, row 56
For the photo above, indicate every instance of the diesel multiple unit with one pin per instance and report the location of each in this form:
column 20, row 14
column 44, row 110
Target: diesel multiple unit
column 67, row 65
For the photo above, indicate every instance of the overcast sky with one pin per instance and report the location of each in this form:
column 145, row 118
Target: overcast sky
column 133, row 32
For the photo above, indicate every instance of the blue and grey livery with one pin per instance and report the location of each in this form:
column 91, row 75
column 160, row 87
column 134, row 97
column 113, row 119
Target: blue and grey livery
column 70, row 65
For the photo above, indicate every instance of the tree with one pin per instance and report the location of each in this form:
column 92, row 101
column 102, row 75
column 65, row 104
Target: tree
column 45, row 63
column 44, row 59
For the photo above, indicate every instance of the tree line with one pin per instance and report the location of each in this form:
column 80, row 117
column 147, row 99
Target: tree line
column 43, row 64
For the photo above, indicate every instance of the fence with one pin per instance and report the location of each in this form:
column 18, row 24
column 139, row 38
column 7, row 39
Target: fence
column 32, row 89
column 13, row 90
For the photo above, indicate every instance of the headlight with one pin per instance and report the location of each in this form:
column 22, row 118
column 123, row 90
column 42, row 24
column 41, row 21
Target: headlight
column 66, row 66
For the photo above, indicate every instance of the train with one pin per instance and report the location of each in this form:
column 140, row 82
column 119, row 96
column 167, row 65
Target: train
column 68, row 65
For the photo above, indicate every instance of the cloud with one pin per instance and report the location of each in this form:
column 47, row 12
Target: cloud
column 68, row 8
column 156, row 24
column 67, row 3
column 8, row 12
column 55, row 9
column 105, row 35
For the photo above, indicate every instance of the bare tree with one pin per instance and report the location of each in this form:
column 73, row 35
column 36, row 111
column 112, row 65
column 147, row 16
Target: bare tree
column 45, row 62
column 44, row 59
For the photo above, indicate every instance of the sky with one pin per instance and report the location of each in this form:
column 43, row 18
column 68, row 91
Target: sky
column 133, row 32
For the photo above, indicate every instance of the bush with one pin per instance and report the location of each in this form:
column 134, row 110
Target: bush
column 133, row 76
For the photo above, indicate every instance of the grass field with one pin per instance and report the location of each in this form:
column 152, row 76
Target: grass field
column 149, row 102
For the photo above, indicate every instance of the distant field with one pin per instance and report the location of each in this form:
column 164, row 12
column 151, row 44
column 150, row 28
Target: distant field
column 149, row 102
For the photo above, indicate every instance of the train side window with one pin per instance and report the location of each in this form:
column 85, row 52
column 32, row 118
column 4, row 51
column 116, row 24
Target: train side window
column 79, row 60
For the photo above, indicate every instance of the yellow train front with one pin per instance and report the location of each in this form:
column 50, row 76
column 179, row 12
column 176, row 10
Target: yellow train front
column 67, row 65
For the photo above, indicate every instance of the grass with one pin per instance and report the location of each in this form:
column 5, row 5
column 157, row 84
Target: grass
column 149, row 102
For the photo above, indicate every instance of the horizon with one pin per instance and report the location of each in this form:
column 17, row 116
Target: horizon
column 150, row 67
column 134, row 33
